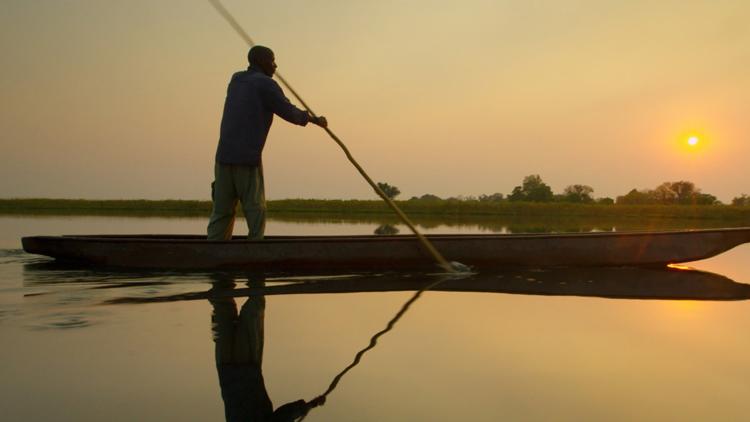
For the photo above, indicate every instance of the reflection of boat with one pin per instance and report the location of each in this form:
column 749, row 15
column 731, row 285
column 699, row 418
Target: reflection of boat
column 615, row 283
column 329, row 252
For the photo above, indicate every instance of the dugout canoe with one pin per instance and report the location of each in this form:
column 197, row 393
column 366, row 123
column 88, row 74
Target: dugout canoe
column 321, row 253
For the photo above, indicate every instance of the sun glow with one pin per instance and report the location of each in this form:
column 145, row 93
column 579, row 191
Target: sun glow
column 691, row 142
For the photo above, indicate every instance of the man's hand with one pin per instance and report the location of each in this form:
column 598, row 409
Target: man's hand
column 319, row 120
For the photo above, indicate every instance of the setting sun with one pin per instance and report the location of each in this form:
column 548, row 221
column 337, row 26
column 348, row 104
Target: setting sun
column 691, row 142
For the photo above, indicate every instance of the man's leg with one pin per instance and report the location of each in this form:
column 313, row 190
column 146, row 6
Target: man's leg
column 252, row 194
column 224, row 199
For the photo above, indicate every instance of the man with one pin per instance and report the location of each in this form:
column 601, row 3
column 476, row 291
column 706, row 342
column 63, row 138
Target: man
column 252, row 100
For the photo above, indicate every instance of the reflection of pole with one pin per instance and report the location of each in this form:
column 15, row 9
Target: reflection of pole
column 425, row 242
column 374, row 341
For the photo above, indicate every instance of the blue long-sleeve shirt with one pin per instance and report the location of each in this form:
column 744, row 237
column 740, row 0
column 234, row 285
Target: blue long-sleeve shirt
column 252, row 100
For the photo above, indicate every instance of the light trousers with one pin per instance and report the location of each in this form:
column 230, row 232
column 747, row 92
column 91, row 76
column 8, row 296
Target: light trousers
column 232, row 184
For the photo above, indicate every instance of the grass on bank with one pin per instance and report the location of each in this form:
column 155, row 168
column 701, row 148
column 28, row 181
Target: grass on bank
column 738, row 215
column 115, row 207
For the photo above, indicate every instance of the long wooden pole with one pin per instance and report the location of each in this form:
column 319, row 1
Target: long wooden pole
column 453, row 268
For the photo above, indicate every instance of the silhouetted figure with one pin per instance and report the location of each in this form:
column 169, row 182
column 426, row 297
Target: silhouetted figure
column 252, row 100
column 238, row 338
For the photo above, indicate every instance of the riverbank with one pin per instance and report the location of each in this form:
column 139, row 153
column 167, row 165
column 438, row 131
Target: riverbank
column 737, row 215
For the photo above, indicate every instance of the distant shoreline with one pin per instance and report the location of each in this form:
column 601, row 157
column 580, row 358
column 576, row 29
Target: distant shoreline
column 374, row 208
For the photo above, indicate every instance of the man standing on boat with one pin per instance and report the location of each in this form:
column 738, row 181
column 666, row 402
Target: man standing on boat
column 252, row 100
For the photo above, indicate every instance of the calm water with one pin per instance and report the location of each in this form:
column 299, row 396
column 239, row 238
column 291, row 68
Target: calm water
column 85, row 345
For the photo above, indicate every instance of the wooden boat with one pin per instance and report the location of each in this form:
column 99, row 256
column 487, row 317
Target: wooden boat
column 320, row 253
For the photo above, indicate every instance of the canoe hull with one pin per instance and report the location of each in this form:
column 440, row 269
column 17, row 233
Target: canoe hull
column 286, row 253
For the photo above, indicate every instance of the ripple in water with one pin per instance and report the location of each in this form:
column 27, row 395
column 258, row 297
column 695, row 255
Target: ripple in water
column 19, row 256
column 62, row 322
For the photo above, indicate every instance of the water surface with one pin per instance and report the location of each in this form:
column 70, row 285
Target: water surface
column 84, row 344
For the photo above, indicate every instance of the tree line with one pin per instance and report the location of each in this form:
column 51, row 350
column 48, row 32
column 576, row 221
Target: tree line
column 533, row 189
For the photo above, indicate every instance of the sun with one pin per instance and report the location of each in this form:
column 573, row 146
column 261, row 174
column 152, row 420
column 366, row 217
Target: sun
column 692, row 143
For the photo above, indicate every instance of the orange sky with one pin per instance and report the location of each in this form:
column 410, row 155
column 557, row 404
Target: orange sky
column 105, row 99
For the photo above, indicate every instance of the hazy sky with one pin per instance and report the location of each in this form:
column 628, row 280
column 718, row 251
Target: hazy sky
column 123, row 99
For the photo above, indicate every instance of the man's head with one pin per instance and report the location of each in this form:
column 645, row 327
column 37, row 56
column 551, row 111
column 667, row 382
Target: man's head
column 262, row 58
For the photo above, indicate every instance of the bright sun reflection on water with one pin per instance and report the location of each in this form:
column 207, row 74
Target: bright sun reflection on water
column 682, row 307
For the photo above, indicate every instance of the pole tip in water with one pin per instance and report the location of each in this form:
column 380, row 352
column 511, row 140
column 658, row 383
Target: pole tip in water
column 457, row 267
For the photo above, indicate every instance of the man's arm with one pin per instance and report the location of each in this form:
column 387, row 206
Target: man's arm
column 280, row 105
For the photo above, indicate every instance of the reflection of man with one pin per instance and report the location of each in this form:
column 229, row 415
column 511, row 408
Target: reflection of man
column 252, row 100
column 239, row 358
